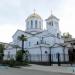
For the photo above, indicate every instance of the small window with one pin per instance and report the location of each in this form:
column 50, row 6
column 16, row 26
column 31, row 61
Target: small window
column 37, row 42
column 8, row 54
column 58, row 36
column 45, row 52
column 45, row 42
column 51, row 23
column 27, row 25
column 31, row 24
column 35, row 23
column 29, row 43
column 39, row 22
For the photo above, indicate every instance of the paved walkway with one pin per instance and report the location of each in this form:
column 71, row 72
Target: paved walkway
column 20, row 71
column 57, row 69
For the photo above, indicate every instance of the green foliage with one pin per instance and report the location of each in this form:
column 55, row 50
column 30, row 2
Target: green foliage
column 19, row 55
column 23, row 63
column 11, row 63
column 22, row 38
column 22, row 55
column 1, row 48
column 1, row 51
column 67, row 35
column 25, row 55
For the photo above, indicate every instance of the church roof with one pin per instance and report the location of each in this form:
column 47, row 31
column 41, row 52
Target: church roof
column 34, row 15
column 52, row 16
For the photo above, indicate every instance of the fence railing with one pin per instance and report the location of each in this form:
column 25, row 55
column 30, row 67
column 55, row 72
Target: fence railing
column 47, row 58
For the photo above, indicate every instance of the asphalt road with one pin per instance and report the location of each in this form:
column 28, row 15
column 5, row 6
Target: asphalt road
column 18, row 71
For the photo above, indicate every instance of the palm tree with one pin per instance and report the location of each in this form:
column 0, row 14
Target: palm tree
column 22, row 38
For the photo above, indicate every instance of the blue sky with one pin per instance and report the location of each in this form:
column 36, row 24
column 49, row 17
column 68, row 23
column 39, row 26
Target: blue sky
column 14, row 12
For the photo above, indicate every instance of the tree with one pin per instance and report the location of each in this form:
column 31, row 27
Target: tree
column 1, row 51
column 22, row 38
column 26, row 53
column 19, row 55
column 67, row 35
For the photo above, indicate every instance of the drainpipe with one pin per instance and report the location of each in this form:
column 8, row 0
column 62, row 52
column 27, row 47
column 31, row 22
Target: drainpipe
column 41, row 53
column 50, row 56
column 64, row 52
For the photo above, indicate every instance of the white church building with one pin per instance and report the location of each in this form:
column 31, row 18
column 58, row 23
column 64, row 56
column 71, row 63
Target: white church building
column 40, row 42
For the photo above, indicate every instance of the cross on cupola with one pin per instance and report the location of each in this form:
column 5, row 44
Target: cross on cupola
column 34, row 11
column 52, row 23
column 51, row 12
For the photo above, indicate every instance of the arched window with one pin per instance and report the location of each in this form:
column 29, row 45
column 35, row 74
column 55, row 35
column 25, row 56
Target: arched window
column 37, row 42
column 29, row 43
column 31, row 24
column 40, row 24
column 50, row 23
column 46, row 52
column 27, row 25
column 58, row 35
column 35, row 23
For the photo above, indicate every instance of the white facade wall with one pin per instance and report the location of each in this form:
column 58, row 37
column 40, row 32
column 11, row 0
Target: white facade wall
column 46, row 37
column 9, row 54
column 31, row 42
column 37, row 52
column 60, row 50
column 55, row 51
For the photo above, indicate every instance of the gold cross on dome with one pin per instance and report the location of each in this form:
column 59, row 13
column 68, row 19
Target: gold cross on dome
column 34, row 11
column 51, row 11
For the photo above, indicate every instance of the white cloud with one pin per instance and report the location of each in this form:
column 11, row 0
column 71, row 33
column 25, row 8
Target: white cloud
column 67, row 23
column 14, row 12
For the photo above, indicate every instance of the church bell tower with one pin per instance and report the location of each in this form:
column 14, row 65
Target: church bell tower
column 52, row 24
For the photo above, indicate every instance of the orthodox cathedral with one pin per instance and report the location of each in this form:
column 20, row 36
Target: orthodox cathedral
column 40, row 42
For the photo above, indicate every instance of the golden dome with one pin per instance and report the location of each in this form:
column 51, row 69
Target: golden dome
column 34, row 15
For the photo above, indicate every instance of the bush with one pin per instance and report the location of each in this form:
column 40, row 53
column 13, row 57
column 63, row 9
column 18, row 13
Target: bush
column 19, row 55
column 11, row 63
column 21, row 63
column 19, row 60
column 22, row 56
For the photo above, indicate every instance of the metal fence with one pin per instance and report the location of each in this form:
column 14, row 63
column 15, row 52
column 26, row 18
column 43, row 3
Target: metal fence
column 50, row 59
column 46, row 58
